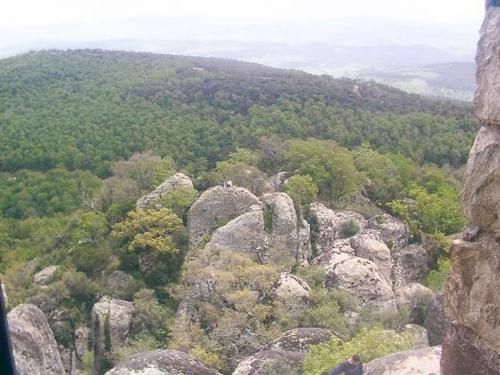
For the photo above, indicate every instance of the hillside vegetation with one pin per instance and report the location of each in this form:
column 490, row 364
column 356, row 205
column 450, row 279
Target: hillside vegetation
column 85, row 134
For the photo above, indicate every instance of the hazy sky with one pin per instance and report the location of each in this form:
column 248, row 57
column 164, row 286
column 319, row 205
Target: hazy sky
column 22, row 13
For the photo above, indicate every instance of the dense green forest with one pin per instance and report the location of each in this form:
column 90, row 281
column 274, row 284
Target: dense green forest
column 84, row 134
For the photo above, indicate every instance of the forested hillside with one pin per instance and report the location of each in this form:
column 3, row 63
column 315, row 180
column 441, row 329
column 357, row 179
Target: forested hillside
column 85, row 136
column 84, row 109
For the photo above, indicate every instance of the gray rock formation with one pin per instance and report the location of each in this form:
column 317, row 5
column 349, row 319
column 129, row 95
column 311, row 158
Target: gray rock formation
column 293, row 294
column 175, row 182
column 284, row 355
column 34, row 346
column 330, row 225
column 413, row 362
column 392, row 231
column 410, row 265
column 82, row 336
column 214, row 208
column 271, row 362
column 276, row 180
column 111, row 321
column 299, row 339
column 369, row 245
column 244, row 233
column 481, row 193
column 45, row 276
column 486, row 105
column 420, row 335
column 472, row 300
column 121, row 285
column 435, row 321
column 161, row 362
column 363, row 281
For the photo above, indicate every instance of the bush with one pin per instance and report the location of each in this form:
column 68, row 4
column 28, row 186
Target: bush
column 368, row 343
column 349, row 229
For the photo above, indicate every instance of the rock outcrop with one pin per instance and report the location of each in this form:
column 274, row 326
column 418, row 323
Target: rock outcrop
column 284, row 355
column 472, row 300
column 369, row 245
column 362, row 279
column 435, row 321
column 33, row 343
column 415, row 362
column 45, row 276
column 393, row 232
column 411, row 265
column 214, row 208
column 175, row 182
column 111, row 321
column 162, row 362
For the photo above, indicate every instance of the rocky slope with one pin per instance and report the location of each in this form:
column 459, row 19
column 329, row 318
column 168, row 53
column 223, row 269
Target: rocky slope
column 472, row 301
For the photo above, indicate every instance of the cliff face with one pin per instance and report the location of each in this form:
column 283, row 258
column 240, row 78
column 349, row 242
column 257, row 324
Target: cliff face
column 472, row 300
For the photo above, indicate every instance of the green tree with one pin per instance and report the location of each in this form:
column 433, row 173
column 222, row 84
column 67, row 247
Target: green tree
column 303, row 191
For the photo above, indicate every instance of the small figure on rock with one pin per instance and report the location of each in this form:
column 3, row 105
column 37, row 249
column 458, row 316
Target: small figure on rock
column 352, row 366
column 227, row 183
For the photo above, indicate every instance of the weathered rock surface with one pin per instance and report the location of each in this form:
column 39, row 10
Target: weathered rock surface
column 111, row 317
column 369, row 245
column 281, row 223
column 45, row 276
column 82, row 336
column 486, row 100
column 481, row 193
column 284, row 355
column 299, row 339
column 435, row 321
column 413, row 362
column 177, row 181
column 420, row 335
column 276, row 180
column 392, row 231
column 271, row 362
column 472, row 302
column 362, row 279
column 244, row 233
column 34, row 346
column 410, row 265
column 121, row 285
column 291, row 287
column 214, row 208
column 332, row 224
column 162, row 362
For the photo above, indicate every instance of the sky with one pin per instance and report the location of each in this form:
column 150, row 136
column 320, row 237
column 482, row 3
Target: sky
column 17, row 14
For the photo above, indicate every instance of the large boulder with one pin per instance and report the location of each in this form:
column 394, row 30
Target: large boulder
column 412, row 362
column 329, row 226
column 411, row 264
column 419, row 334
column 487, row 98
column 293, row 294
column 33, row 343
column 280, row 220
column 481, row 193
column 363, row 280
column 436, row 322
column 392, row 231
column 271, row 362
column 284, row 355
column 472, row 303
column 111, row 322
column 299, row 339
column 45, row 276
column 214, row 208
column 176, row 182
column 244, row 233
column 369, row 245
column 161, row 362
